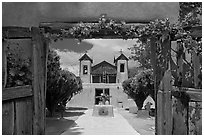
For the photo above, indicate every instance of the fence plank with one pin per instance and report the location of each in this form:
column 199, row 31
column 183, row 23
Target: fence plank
column 196, row 67
column 168, row 113
column 24, row 114
column 39, row 58
column 8, row 118
column 180, row 72
column 160, row 114
column 180, row 122
column 167, row 106
column 16, row 92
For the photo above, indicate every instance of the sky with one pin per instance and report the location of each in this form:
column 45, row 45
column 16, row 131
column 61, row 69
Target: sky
column 70, row 50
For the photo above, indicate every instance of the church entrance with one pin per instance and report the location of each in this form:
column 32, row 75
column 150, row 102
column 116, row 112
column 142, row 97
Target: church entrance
column 98, row 94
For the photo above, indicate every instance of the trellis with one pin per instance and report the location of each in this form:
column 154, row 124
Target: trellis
column 160, row 33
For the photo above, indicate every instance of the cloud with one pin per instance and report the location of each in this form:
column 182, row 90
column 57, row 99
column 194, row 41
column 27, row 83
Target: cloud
column 102, row 49
column 69, row 60
column 107, row 49
column 71, row 45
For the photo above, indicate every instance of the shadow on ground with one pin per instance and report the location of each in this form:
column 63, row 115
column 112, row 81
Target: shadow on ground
column 73, row 130
column 72, row 114
column 56, row 125
column 76, row 108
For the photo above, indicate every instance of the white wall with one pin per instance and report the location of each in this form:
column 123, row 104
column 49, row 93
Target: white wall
column 86, row 78
column 122, row 75
column 87, row 97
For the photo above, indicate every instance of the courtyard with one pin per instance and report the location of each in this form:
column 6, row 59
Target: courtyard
column 75, row 123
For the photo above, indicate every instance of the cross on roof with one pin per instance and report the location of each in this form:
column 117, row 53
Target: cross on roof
column 121, row 51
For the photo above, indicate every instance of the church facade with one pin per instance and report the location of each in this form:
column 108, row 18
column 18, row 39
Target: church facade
column 103, row 72
column 102, row 78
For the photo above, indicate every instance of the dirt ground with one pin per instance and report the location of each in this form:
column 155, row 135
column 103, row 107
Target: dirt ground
column 145, row 126
column 56, row 126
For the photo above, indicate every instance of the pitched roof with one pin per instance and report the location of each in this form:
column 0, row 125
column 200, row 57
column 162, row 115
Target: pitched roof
column 121, row 57
column 85, row 57
column 104, row 67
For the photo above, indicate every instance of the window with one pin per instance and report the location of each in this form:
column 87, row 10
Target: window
column 85, row 69
column 122, row 67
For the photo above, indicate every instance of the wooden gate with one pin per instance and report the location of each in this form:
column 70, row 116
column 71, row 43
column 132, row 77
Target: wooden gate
column 23, row 105
column 178, row 107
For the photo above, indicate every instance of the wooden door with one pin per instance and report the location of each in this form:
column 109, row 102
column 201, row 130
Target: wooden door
column 23, row 104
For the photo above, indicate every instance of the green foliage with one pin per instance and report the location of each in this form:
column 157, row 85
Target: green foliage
column 18, row 68
column 109, row 26
column 53, row 69
column 189, row 21
column 61, row 84
column 139, row 87
column 141, row 53
column 190, row 13
column 134, row 71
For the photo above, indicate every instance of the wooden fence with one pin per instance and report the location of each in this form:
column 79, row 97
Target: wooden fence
column 179, row 107
column 23, row 107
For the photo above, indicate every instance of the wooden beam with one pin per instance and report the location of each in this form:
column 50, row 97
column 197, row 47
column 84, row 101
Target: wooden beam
column 192, row 94
column 4, row 63
column 67, row 25
column 12, row 32
column 16, row 92
column 56, row 27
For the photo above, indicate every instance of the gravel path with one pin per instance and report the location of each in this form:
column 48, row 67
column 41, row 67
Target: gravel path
column 101, row 125
column 145, row 126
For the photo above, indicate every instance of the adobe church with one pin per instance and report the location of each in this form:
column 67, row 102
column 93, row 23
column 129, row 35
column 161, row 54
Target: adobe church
column 102, row 78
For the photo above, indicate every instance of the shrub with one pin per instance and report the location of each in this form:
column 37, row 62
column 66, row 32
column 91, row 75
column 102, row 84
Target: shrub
column 61, row 84
column 140, row 87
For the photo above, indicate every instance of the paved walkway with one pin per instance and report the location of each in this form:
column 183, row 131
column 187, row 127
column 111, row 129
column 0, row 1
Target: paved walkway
column 91, row 125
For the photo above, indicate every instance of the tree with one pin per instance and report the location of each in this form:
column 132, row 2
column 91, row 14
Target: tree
column 140, row 87
column 61, row 84
column 189, row 19
column 134, row 71
column 141, row 52
column 190, row 13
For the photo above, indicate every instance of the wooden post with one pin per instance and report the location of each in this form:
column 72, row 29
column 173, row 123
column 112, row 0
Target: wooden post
column 196, row 67
column 154, row 64
column 4, row 63
column 180, row 108
column 39, row 60
column 164, row 105
column 180, row 76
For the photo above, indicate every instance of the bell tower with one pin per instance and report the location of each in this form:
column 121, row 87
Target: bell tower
column 122, row 68
column 85, row 68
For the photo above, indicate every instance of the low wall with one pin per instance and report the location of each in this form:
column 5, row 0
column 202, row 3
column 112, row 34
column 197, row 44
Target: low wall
column 87, row 97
